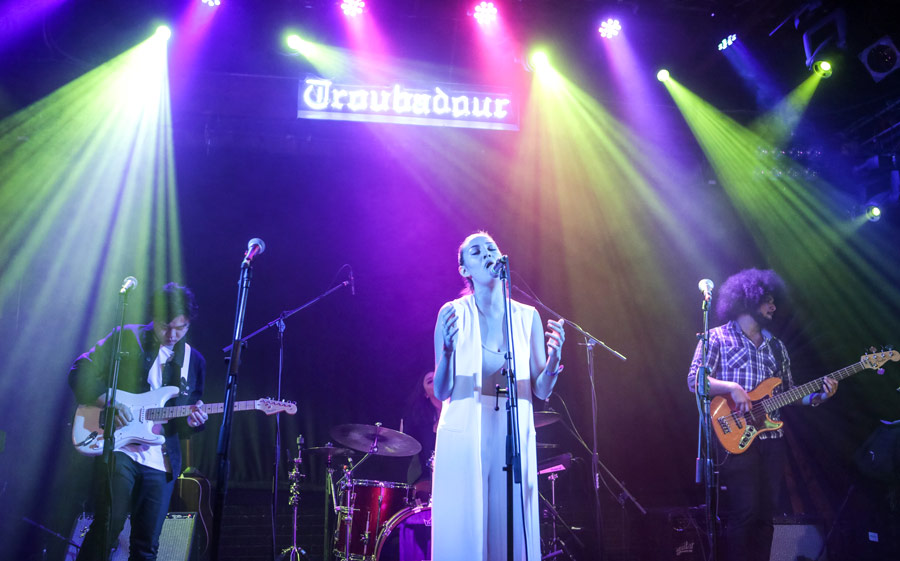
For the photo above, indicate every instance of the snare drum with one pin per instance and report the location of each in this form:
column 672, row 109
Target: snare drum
column 366, row 507
column 406, row 536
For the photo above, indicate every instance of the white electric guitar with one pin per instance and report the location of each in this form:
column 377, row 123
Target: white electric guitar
column 148, row 414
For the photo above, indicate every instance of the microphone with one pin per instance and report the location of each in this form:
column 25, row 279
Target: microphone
column 706, row 287
column 254, row 248
column 353, row 287
column 498, row 266
column 128, row 284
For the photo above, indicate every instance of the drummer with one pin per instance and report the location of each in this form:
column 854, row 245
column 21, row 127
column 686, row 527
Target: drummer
column 420, row 421
column 469, row 501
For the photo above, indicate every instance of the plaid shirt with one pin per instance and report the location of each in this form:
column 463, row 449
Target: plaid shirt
column 734, row 358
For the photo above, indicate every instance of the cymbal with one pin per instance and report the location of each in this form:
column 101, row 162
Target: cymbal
column 546, row 445
column 544, row 418
column 331, row 451
column 375, row 439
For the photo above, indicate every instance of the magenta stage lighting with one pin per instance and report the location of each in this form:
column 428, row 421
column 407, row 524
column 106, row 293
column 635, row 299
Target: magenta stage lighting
column 486, row 13
column 727, row 42
column 352, row 8
column 610, row 28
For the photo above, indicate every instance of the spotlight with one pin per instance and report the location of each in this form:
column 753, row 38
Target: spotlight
column 301, row 45
column 352, row 8
column 727, row 42
column 485, row 13
column 880, row 58
column 610, row 28
column 823, row 68
column 212, row 3
column 873, row 213
column 163, row 32
column 539, row 61
column 662, row 75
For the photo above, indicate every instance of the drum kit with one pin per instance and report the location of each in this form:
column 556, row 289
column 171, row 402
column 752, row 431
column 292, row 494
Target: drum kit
column 378, row 520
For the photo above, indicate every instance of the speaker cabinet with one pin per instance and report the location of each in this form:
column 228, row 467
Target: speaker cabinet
column 176, row 541
column 797, row 541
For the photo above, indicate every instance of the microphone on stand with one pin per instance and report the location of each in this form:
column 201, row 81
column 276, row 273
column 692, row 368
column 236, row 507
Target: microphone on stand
column 128, row 284
column 706, row 287
column 498, row 266
column 254, row 247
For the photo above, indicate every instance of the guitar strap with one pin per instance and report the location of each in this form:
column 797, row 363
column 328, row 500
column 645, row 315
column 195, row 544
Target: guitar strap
column 780, row 359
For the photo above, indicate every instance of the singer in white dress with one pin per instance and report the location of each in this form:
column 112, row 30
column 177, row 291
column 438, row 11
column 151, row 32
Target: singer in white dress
column 470, row 343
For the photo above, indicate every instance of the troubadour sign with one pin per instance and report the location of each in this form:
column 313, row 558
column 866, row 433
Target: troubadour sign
column 439, row 106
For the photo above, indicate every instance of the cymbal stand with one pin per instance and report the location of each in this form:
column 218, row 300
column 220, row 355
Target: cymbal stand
column 347, row 511
column 295, row 552
column 556, row 546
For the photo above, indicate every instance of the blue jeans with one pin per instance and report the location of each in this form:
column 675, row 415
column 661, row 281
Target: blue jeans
column 141, row 491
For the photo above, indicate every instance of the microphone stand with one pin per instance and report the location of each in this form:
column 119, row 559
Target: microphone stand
column 705, row 470
column 109, row 422
column 224, row 444
column 590, row 342
column 279, row 323
column 513, row 466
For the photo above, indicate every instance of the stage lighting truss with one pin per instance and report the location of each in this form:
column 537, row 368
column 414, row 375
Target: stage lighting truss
column 353, row 8
column 727, row 42
column 485, row 13
column 610, row 28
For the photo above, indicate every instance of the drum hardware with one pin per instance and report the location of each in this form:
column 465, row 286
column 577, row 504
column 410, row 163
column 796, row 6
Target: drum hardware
column 413, row 516
column 295, row 553
column 555, row 546
column 356, row 536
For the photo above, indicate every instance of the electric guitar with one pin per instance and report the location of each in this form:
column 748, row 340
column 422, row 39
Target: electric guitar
column 736, row 430
column 148, row 414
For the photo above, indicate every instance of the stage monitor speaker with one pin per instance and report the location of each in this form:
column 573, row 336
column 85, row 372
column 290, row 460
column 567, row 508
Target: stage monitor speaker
column 176, row 541
column 793, row 542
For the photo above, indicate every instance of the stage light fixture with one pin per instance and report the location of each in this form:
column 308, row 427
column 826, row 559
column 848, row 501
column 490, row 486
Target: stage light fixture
column 163, row 32
column 823, row 68
column 485, row 13
column 610, row 28
column 727, row 42
column 880, row 58
column 301, row 45
column 873, row 213
column 353, row 8
column 662, row 75
column 539, row 61
column 212, row 3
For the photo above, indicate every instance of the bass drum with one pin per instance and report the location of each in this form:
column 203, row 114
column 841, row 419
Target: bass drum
column 406, row 536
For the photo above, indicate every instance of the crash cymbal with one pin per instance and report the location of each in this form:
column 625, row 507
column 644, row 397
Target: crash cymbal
column 375, row 439
column 546, row 445
column 544, row 418
column 331, row 451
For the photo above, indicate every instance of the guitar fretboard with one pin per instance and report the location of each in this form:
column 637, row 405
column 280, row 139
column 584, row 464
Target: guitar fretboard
column 799, row 392
column 166, row 413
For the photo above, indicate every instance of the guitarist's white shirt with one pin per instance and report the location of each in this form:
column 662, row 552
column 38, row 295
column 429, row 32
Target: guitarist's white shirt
column 152, row 456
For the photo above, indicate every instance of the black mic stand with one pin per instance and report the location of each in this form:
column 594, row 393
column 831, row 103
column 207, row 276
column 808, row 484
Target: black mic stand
column 705, row 469
column 513, row 466
column 596, row 464
column 109, row 422
column 224, row 445
column 279, row 322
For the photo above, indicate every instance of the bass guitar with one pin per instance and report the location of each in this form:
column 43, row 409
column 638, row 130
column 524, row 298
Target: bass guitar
column 736, row 431
column 148, row 414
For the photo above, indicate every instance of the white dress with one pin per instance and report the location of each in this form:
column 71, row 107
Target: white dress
column 464, row 503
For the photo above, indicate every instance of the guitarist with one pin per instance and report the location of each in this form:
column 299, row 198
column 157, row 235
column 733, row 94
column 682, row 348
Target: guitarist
column 743, row 353
column 153, row 355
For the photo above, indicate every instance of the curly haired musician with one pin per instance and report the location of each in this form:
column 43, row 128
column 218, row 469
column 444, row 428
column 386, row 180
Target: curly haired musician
column 154, row 355
column 743, row 353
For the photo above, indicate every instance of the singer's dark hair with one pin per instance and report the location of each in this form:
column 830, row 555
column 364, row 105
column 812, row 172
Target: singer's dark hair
column 745, row 291
column 469, row 286
column 173, row 300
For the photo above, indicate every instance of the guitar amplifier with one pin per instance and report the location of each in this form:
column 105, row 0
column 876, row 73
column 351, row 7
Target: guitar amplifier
column 176, row 541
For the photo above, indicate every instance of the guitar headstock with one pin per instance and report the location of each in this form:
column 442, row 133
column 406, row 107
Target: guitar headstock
column 876, row 359
column 271, row 406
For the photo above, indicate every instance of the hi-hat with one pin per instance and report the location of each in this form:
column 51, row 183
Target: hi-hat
column 544, row 418
column 375, row 439
column 330, row 451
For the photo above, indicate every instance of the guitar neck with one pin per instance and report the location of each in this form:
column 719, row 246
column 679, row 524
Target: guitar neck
column 175, row 411
column 799, row 392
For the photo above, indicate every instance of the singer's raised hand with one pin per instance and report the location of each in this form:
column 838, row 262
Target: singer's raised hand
column 449, row 330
